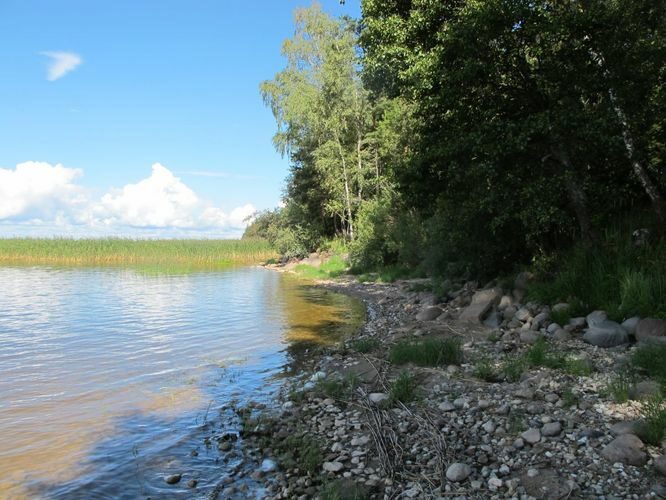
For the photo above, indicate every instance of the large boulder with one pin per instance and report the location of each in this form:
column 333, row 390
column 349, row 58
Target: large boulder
column 631, row 324
column 482, row 302
column 606, row 333
column 429, row 314
column 651, row 329
column 627, row 449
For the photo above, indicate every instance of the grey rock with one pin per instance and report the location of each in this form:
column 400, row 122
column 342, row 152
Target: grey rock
column 552, row 429
column 660, row 464
column 458, row 472
column 561, row 306
column 627, row 449
column 553, row 327
column 531, row 436
column 505, row 301
column 539, row 320
column 224, row 446
column 606, row 333
column 173, row 478
column 482, row 302
column 493, row 320
column 509, row 312
column 545, row 484
column 577, row 323
column 268, row 465
column 333, row 466
column 644, row 389
column 649, row 329
column 192, row 483
column 631, row 324
column 596, row 317
column 429, row 314
column 561, row 335
column 446, row 406
column 529, row 337
column 523, row 314
column 625, row 427
column 378, row 398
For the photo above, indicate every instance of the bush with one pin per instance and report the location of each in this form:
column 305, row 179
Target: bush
column 431, row 352
column 651, row 359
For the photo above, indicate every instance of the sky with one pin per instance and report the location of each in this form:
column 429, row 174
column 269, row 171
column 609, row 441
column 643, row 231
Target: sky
column 140, row 118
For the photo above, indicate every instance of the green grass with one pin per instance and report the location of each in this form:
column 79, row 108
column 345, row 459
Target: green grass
column 485, row 370
column 513, row 369
column 620, row 385
column 615, row 276
column 332, row 268
column 337, row 388
column 387, row 274
column 343, row 489
column 120, row 252
column 653, row 428
column 364, row 345
column 560, row 317
column 652, row 360
column 429, row 352
column 570, row 398
column 403, row 388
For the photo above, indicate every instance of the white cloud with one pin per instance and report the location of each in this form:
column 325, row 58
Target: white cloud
column 38, row 190
column 43, row 198
column 61, row 63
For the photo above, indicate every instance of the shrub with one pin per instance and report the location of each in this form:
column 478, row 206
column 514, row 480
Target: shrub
column 485, row 370
column 653, row 428
column 430, row 352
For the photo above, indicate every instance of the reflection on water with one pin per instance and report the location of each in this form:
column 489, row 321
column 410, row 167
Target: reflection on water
column 106, row 375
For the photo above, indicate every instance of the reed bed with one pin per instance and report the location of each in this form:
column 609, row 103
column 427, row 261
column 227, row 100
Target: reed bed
column 121, row 251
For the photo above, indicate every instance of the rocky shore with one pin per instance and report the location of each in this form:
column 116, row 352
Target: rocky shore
column 524, row 408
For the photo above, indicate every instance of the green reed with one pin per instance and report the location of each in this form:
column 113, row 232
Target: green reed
column 122, row 251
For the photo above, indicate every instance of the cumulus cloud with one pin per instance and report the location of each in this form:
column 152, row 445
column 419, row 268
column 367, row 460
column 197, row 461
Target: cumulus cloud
column 61, row 63
column 40, row 195
column 39, row 190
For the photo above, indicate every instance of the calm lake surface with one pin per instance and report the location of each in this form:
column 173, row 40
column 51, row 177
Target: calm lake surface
column 110, row 379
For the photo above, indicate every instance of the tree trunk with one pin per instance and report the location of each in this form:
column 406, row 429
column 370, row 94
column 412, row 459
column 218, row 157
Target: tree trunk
column 658, row 203
column 350, row 224
column 576, row 194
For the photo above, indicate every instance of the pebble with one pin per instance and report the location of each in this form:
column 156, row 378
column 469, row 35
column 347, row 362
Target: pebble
column 173, row 478
column 531, row 436
column 458, row 472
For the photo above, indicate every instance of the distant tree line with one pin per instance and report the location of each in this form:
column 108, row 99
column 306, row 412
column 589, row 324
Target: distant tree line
column 468, row 135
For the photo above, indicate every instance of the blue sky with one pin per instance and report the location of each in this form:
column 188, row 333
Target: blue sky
column 165, row 82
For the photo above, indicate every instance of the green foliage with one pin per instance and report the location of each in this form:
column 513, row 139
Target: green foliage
column 561, row 317
column 653, row 428
column 403, row 388
column 332, row 268
column 570, row 398
column 513, row 369
column 652, row 359
column 306, row 451
column 343, row 489
column 615, row 276
column 429, row 352
column 539, row 355
column 620, row 385
column 364, row 345
column 578, row 367
column 485, row 370
column 337, row 388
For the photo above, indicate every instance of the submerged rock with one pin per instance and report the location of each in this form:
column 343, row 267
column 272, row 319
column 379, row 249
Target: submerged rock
column 173, row 478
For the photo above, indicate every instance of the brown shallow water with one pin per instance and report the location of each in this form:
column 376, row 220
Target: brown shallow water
column 107, row 375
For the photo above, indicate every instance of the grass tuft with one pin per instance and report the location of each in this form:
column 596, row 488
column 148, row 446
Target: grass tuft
column 653, row 428
column 652, row 359
column 364, row 345
column 430, row 352
column 403, row 388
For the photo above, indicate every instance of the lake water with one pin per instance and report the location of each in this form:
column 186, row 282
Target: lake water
column 111, row 379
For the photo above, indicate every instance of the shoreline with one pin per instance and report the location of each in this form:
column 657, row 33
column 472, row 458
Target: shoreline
column 338, row 432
